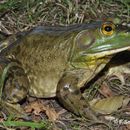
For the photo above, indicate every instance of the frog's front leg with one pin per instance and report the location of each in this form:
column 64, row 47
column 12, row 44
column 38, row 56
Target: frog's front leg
column 69, row 94
column 14, row 87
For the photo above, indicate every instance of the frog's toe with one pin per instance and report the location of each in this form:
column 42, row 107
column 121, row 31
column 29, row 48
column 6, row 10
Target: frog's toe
column 13, row 109
column 119, row 72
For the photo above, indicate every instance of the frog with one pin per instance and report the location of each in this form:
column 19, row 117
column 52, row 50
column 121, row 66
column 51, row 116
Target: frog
column 58, row 61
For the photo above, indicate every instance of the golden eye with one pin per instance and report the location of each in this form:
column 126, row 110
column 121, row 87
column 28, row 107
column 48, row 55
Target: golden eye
column 108, row 28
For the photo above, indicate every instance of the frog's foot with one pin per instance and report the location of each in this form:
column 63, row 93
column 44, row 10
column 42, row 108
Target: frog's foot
column 119, row 72
column 71, row 98
column 14, row 89
column 14, row 110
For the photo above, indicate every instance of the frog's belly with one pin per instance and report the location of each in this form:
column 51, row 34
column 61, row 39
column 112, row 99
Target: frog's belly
column 42, row 87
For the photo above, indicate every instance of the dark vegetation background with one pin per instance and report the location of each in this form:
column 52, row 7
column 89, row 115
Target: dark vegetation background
column 19, row 15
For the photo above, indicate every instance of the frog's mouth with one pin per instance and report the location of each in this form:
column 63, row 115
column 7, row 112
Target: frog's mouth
column 108, row 52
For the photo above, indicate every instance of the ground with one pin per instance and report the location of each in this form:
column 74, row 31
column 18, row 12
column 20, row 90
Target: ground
column 22, row 15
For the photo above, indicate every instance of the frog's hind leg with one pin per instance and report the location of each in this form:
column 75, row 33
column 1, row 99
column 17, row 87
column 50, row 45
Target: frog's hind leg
column 70, row 96
column 14, row 85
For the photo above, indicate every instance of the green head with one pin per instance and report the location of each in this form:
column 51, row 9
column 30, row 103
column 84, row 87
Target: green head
column 104, row 40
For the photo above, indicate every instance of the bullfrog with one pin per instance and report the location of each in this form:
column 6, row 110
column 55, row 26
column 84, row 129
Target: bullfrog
column 58, row 61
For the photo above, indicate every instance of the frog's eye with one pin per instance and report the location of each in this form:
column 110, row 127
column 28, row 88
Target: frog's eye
column 108, row 28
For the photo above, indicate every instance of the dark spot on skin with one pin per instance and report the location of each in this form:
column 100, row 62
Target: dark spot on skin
column 35, row 62
column 65, row 89
column 65, row 96
column 58, row 91
column 64, row 75
column 85, row 106
column 82, row 98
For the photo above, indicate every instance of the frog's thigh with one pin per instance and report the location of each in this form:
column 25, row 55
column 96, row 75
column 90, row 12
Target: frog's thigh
column 69, row 95
column 16, row 85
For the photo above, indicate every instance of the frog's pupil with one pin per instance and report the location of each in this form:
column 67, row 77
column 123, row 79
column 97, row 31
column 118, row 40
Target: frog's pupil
column 108, row 28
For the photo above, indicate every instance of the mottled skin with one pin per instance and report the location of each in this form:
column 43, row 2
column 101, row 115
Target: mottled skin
column 58, row 61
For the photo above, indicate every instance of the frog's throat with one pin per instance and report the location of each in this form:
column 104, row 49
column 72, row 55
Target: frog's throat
column 97, row 59
column 107, row 53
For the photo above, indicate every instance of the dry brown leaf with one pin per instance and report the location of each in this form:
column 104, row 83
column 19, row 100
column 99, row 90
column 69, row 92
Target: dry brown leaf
column 1, row 119
column 105, row 90
column 127, row 127
column 52, row 114
column 37, row 107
